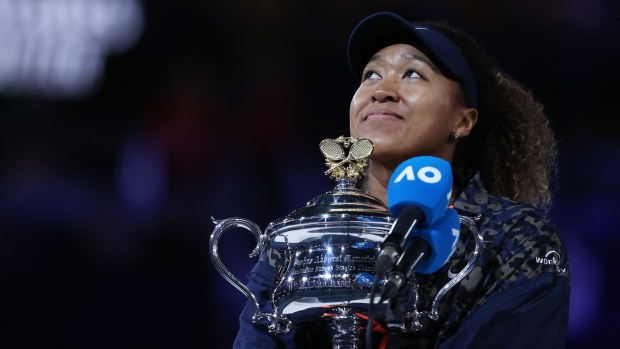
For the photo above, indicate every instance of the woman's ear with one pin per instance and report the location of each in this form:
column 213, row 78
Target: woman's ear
column 468, row 118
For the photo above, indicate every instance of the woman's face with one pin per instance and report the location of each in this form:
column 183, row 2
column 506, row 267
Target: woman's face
column 406, row 106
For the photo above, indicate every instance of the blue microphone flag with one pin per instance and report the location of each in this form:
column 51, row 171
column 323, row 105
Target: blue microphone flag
column 424, row 182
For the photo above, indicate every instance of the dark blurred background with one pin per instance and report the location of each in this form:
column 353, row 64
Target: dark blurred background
column 126, row 125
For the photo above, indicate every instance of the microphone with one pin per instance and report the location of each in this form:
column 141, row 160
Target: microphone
column 418, row 195
column 427, row 251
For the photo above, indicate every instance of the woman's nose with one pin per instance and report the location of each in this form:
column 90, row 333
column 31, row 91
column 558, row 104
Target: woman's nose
column 386, row 91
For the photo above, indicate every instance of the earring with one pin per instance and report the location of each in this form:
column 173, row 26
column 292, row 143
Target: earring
column 453, row 137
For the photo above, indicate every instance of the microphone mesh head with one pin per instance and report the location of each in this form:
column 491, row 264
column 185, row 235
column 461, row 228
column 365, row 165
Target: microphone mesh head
column 331, row 149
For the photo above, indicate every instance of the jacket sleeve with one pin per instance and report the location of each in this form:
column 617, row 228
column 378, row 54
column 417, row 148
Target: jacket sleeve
column 257, row 336
column 305, row 332
column 532, row 314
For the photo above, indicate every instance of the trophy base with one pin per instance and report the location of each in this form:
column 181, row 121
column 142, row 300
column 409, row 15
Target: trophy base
column 306, row 303
column 345, row 328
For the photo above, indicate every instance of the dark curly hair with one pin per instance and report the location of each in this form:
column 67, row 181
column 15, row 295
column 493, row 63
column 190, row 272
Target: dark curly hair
column 512, row 144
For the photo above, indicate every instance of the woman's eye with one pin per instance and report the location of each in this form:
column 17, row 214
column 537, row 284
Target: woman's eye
column 370, row 74
column 412, row 73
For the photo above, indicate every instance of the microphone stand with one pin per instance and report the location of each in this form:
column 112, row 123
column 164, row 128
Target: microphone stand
column 416, row 252
column 394, row 319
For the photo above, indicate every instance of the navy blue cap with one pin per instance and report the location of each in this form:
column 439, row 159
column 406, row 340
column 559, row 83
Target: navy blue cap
column 386, row 28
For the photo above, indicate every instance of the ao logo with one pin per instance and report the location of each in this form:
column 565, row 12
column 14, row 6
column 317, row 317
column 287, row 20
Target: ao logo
column 427, row 174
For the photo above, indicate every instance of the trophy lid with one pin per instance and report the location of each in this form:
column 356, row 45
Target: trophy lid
column 346, row 209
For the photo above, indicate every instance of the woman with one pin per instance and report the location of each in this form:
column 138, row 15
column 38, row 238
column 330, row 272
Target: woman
column 428, row 89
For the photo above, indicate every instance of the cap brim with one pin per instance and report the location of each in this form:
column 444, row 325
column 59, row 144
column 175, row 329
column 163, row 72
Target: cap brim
column 375, row 32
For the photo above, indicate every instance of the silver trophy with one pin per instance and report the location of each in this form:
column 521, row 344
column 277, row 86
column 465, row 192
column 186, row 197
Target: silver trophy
column 328, row 250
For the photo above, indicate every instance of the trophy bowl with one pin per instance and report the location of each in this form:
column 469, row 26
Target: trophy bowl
column 329, row 248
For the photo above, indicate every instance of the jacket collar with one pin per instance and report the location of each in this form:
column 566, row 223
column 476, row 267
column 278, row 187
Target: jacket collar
column 473, row 199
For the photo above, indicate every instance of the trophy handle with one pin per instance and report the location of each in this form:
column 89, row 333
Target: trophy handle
column 279, row 323
column 433, row 314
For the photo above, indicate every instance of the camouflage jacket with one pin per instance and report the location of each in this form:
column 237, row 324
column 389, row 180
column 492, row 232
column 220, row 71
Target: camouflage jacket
column 516, row 295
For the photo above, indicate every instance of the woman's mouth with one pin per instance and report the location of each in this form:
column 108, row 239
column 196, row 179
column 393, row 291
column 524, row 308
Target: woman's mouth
column 382, row 114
